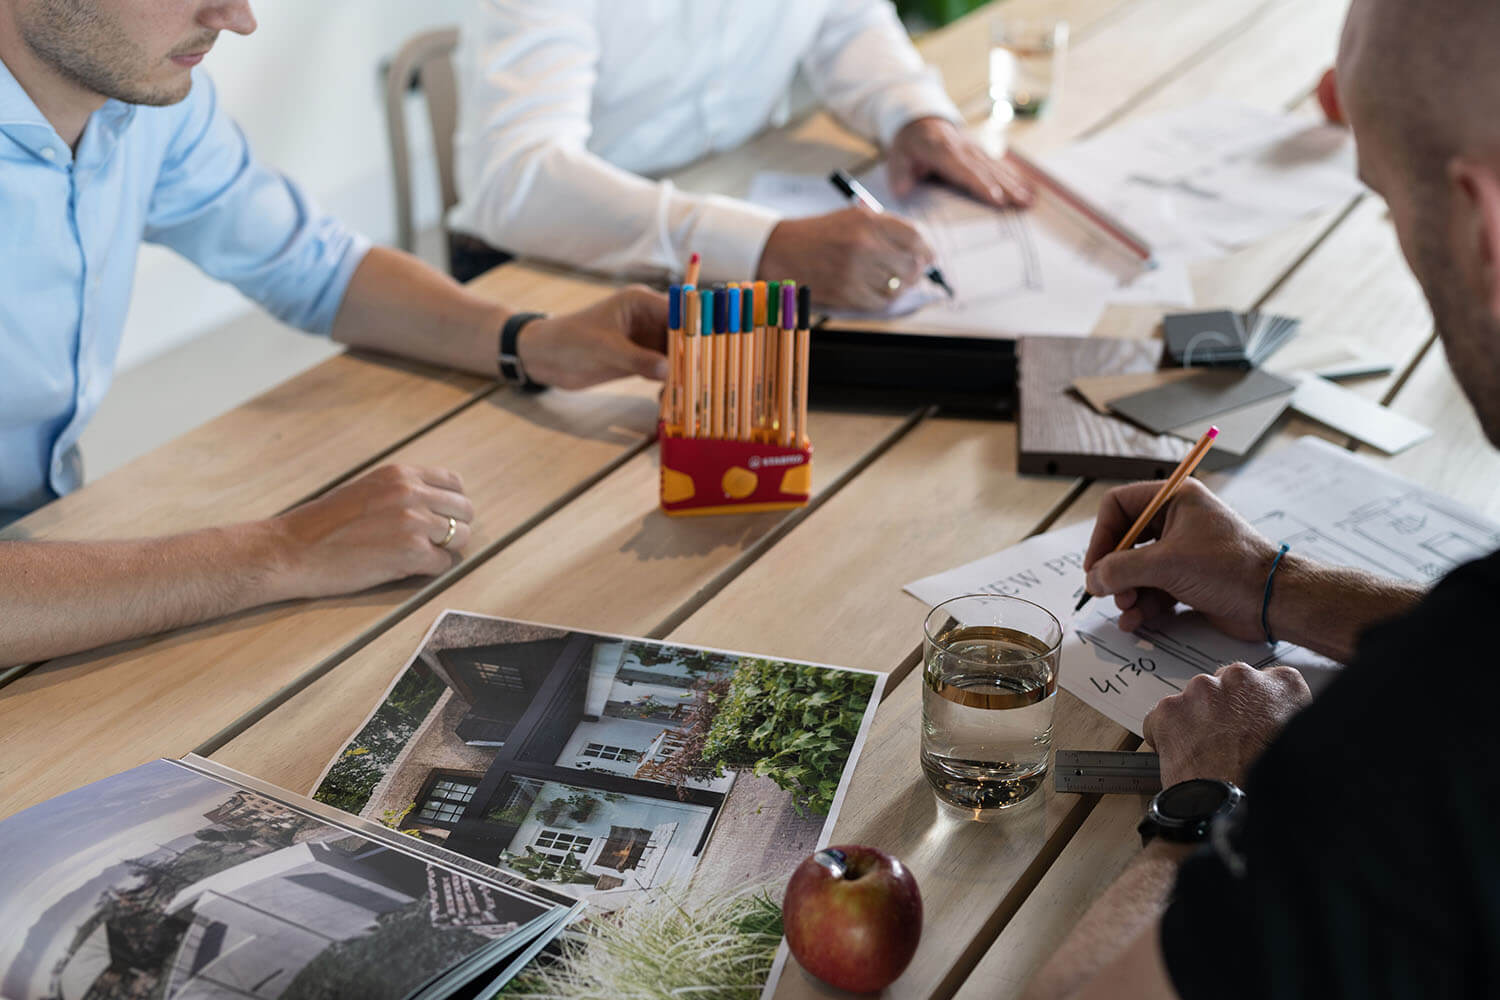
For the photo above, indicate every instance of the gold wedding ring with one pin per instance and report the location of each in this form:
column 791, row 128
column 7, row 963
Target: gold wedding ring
column 452, row 530
column 894, row 283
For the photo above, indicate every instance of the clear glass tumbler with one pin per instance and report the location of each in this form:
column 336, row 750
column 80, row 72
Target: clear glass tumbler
column 989, row 688
column 1026, row 64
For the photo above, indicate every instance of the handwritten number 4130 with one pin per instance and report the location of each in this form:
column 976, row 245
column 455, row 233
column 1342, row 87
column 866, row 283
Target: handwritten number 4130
column 1122, row 677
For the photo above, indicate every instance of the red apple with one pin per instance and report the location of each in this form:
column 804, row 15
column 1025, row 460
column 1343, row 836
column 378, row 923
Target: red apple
column 1328, row 98
column 853, row 917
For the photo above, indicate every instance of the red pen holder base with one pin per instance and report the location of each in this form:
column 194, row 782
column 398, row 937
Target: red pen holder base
column 711, row 476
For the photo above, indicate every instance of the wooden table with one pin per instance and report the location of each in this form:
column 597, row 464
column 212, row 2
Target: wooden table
column 568, row 530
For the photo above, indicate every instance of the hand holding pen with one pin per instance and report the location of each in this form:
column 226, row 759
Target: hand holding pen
column 855, row 258
column 855, row 191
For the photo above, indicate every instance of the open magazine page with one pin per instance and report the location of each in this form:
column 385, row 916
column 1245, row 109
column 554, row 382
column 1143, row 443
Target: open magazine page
column 429, row 851
column 674, row 788
column 166, row 881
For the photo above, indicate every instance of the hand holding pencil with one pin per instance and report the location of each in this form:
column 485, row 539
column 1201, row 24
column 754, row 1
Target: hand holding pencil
column 1160, row 499
column 1203, row 555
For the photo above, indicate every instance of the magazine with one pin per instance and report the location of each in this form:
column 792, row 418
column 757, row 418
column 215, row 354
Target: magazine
column 184, row 879
column 674, row 788
column 528, row 811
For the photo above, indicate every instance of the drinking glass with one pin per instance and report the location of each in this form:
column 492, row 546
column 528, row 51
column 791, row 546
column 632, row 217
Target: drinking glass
column 1026, row 64
column 989, row 688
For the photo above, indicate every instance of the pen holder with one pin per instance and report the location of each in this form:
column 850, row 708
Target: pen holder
column 714, row 476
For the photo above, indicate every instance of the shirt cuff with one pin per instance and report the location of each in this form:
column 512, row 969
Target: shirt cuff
column 907, row 102
column 730, row 238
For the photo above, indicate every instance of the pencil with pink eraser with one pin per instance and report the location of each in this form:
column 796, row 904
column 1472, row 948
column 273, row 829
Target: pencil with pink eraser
column 1174, row 482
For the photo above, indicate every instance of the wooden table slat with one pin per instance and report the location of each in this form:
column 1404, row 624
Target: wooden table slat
column 259, row 459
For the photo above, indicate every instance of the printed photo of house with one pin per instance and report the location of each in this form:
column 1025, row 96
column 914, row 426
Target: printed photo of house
column 599, row 765
column 543, row 755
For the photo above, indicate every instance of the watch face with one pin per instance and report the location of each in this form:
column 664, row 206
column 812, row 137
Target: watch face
column 1192, row 800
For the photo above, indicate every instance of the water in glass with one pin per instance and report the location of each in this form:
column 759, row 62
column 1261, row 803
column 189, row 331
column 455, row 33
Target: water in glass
column 987, row 702
column 1026, row 65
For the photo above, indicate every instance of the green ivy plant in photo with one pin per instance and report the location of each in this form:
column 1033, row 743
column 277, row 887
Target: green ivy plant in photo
column 359, row 769
column 792, row 723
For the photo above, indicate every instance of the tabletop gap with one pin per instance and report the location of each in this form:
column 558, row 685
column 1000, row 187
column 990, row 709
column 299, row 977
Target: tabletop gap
column 373, row 460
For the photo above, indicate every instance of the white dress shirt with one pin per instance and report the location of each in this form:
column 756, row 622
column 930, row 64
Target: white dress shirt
column 569, row 107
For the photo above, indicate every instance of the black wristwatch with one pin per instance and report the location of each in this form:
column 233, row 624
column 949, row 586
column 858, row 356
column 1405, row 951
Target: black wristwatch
column 1186, row 812
column 512, row 372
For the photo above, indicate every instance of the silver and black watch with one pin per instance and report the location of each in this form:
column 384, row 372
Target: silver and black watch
column 1186, row 812
column 512, row 372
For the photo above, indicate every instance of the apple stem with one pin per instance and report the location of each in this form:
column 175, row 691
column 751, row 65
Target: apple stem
column 835, row 860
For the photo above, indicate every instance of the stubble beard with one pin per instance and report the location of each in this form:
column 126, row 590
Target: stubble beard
column 89, row 49
column 1469, row 332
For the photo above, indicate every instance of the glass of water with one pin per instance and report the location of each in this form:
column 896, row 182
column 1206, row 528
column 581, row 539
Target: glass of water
column 1026, row 64
column 989, row 687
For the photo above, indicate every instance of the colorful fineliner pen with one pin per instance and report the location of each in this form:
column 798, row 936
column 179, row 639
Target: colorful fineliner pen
column 785, row 349
column 758, row 389
column 705, row 364
column 721, row 343
column 674, row 352
column 772, row 364
column 690, row 340
column 747, row 358
column 731, row 400
column 804, row 347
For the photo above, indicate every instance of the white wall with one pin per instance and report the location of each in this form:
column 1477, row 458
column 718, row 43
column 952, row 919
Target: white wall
column 305, row 89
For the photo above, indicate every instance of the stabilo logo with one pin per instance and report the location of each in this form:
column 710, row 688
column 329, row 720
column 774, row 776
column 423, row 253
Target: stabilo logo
column 756, row 461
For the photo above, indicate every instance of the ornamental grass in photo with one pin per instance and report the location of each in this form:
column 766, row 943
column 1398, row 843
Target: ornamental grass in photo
column 662, row 946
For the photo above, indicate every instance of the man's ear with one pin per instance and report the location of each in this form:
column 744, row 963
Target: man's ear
column 1478, row 239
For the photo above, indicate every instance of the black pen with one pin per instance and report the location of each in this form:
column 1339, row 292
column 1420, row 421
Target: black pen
column 855, row 191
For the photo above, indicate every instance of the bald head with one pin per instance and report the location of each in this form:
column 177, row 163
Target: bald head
column 1424, row 74
column 1419, row 82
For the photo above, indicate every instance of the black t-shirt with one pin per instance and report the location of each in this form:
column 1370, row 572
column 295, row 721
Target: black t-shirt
column 1367, row 864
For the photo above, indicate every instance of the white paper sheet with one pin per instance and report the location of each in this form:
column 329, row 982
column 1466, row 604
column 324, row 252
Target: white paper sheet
column 1038, row 271
column 1324, row 502
column 1200, row 181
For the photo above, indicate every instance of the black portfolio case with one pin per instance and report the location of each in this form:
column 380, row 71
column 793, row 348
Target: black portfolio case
column 971, row 375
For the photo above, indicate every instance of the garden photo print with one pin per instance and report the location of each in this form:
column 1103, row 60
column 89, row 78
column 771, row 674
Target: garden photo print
column 672, row 788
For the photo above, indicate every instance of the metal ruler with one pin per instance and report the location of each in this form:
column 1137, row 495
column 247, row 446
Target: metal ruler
column 1106, row 772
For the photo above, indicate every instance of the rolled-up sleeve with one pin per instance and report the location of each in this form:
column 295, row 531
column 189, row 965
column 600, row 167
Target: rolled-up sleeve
column 529, row 183
column 863, row 65
column 244, row 223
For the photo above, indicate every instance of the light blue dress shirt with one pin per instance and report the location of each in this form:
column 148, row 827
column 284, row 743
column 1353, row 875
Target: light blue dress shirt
column 70, row 227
